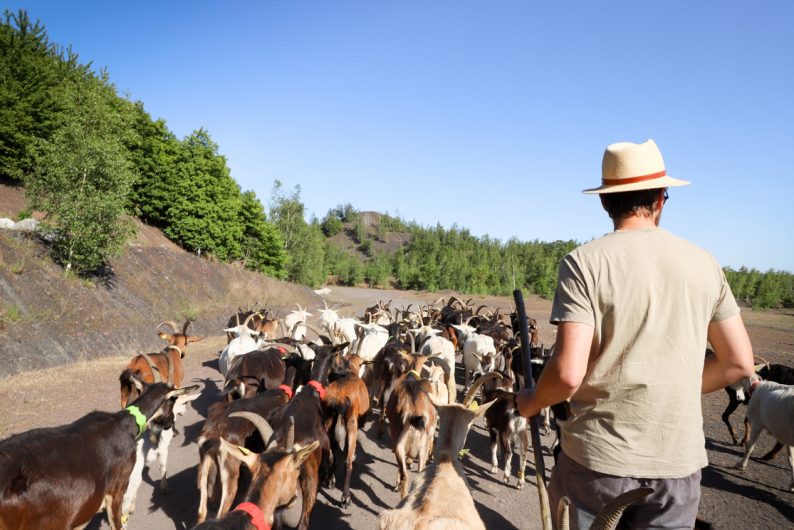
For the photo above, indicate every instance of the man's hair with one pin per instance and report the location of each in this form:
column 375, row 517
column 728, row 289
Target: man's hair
column 620, row 205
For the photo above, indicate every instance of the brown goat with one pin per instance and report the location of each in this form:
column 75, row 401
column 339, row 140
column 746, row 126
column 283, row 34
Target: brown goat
column 412, row 422
column 213, row 458
column 274, row 482
column 346, row 405
column 161, row 367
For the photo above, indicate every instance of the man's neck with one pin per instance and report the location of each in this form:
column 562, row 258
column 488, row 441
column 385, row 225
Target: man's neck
column 636, row 222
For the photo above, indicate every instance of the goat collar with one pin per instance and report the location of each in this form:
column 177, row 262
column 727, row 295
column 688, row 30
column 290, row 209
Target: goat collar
column 256, row 515
column 140, row 419
column 178, row 349
column 287, row 390
column 415, row 374
column 318, row 387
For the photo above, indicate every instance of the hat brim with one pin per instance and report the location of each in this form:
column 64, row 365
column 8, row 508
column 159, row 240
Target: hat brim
column 661, row 182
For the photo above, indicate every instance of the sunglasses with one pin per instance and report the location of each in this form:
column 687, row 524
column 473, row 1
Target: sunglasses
column 665, row 196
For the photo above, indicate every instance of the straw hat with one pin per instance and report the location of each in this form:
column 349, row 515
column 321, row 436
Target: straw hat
column 629, row 167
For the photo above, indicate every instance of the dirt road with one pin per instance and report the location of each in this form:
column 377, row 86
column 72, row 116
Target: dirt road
column 757, row 499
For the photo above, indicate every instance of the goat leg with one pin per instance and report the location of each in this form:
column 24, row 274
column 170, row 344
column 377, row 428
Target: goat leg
column 733, row 404
column 350, row 449
column 772, row 452
column 507, row 451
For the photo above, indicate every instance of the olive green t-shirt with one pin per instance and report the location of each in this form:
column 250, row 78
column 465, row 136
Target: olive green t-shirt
column 650, row 297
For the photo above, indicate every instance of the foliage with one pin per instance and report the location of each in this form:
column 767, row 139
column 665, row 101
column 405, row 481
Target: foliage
column 303, row 242
column 331, row 225
column 762, row 289
column 82, row 176
column 31, row 100
column 262, row 245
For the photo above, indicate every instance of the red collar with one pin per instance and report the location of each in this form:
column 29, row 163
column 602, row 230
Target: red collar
column 287, row 390
column 256, row 515
column 318, row 387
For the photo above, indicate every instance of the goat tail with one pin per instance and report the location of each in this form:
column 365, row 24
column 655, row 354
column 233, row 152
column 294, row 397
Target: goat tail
column 339, row 407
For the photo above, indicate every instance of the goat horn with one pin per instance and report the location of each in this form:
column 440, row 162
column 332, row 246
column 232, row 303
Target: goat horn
column 434, row 359
column 185, row 326
column 609, row 516
column 325, row 304
column 467, row 320
column 290, row 441
column 477, row 384
column 762, row 359
column 299, row 307
column 252, row 315
column 174, row 326
column 563, row 509
column 261, row 424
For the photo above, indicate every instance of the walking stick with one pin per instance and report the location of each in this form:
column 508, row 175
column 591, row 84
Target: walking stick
column 534, row 421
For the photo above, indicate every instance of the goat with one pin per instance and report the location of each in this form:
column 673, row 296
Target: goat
column 391, row 362
column 221, row 423
column 244, row 341
column 274, row 482
column 441, row 499
column 506, row 426
column 738, row 394
column 154, row 448
column 412, row 422
column 161, row 367
column 254, row 372
column 771, row 407
column 60, row 477
column 438, row 346
column 371, row 340
column 295, row 322
column 346, row 405
column 234, row 321
column 306, row 410
column 479, row 352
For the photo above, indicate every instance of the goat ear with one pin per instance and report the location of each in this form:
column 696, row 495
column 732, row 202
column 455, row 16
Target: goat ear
column 485, row 406
column 194, row 338
column 340, row 347
column 299, row 456
column 249, row 458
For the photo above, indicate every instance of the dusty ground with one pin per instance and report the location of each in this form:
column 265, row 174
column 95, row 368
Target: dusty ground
column 757, row 499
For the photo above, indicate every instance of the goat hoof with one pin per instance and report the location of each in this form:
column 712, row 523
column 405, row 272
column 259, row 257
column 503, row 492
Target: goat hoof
column 494, row 469
column 506, row 479
column 345, row 502
column 520, row 485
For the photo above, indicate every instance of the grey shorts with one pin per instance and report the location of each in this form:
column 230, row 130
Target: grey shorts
column 673, row 504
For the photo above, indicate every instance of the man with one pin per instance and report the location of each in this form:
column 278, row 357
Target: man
column 634, row 311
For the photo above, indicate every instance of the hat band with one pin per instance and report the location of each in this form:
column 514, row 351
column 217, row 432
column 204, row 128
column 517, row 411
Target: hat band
column 632, row 180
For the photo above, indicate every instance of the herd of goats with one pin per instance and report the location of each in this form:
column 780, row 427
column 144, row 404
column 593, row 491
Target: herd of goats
column 294, row 397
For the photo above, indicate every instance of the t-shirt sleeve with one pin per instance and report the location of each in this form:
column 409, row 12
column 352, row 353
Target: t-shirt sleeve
column 726, row 306
column 571, row 300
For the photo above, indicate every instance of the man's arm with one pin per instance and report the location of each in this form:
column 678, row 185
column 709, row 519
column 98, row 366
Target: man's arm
column 733, row 354
column 564, row 372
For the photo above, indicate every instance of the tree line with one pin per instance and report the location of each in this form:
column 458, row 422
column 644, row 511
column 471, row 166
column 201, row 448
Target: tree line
column 91, row 158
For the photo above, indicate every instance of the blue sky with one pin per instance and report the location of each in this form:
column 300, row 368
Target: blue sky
column 491, row 115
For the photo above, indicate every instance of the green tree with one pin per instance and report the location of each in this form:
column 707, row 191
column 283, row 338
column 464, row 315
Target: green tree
column 262, row 245
column 303, row 242
column 82, row 177
column 203, row 212
column 32, row 78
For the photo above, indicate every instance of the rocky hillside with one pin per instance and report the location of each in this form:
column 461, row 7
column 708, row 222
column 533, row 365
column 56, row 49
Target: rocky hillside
column 49, row 319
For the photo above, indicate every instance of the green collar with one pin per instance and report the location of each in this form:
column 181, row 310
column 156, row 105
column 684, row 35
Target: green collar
column 140, row 419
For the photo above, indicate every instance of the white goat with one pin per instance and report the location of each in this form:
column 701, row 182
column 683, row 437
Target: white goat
column 373, row 338
column 442, row 348
column 295, row 322
column 479, row 352
column 772, row 408
column 244, row 341
column 328, row 319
